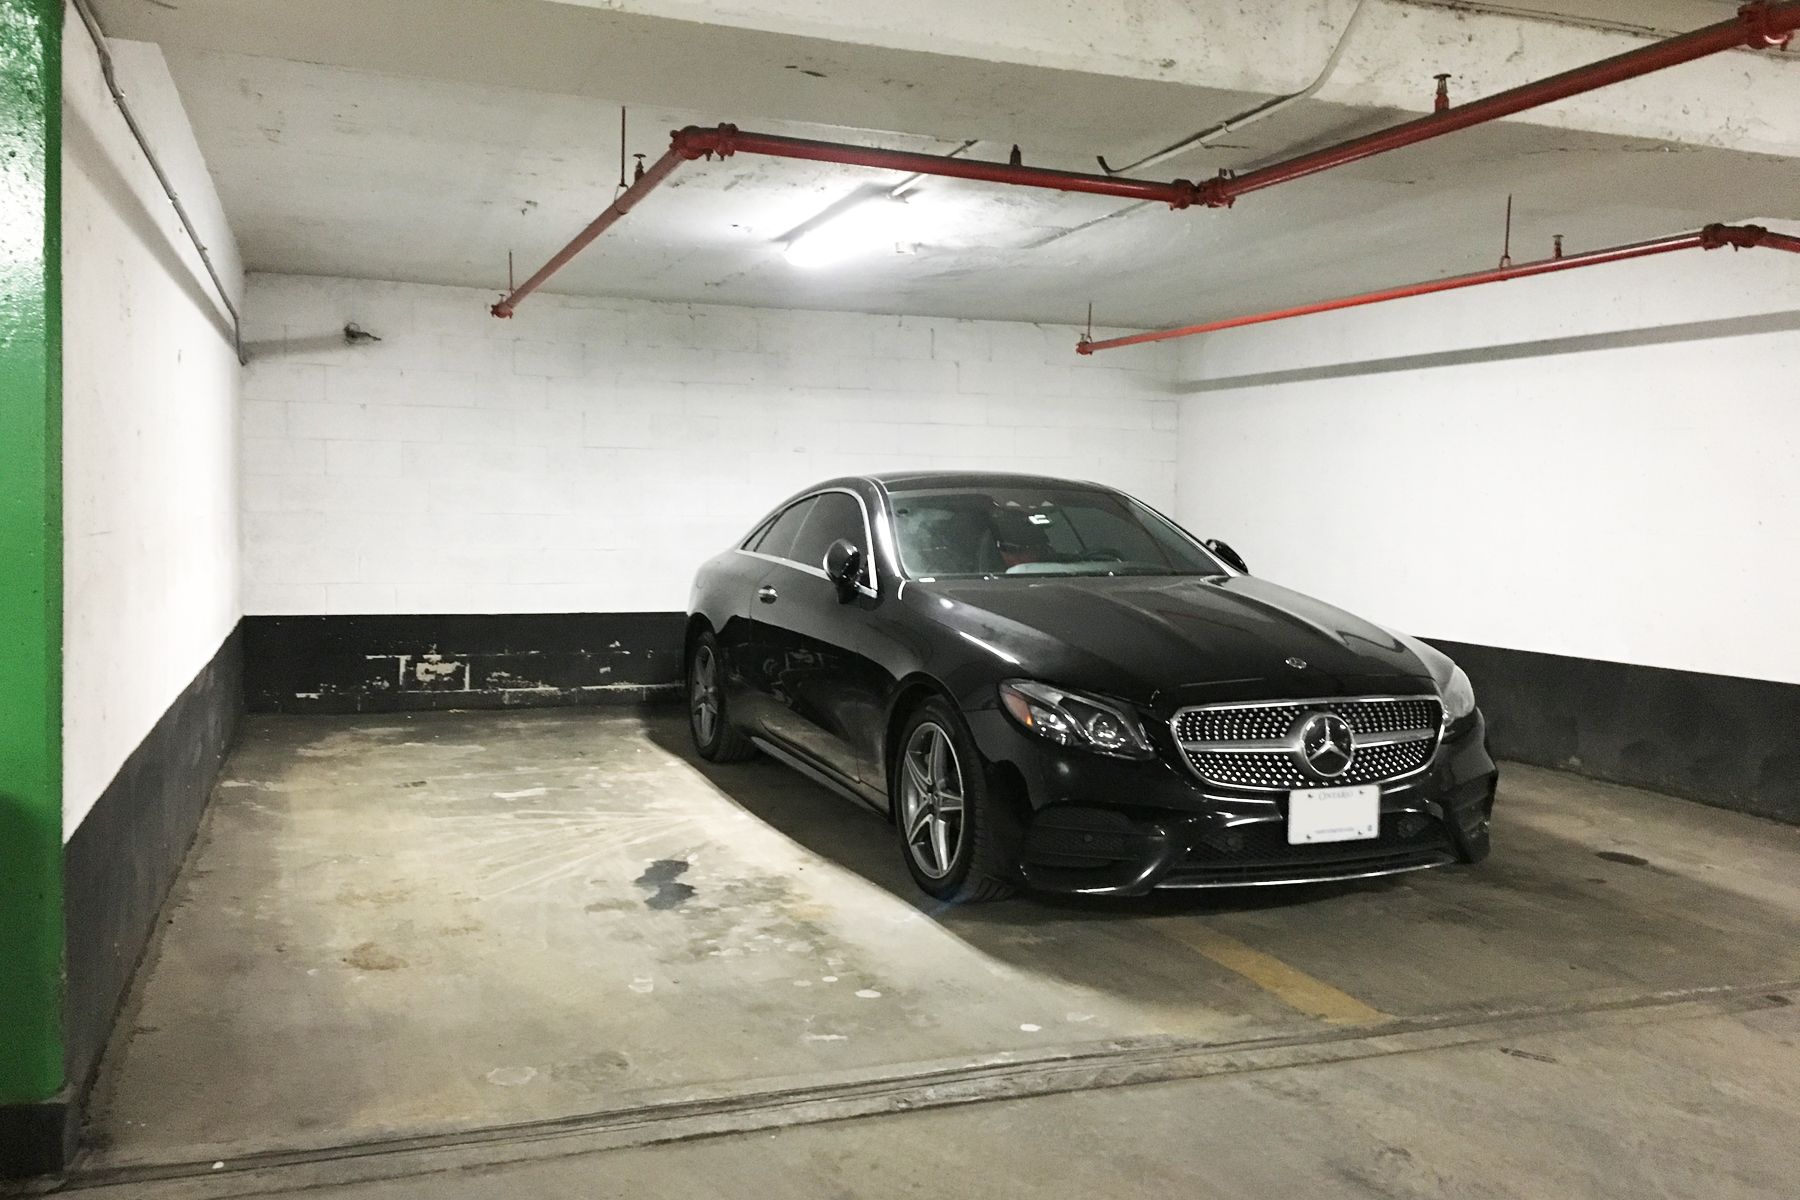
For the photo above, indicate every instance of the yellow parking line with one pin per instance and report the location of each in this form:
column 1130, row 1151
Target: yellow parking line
column 1290, row 985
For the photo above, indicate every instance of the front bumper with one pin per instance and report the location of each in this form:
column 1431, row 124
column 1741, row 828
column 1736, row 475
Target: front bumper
column 1104, row 826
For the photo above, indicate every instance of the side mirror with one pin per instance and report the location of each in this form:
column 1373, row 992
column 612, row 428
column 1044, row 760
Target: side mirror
column 843, row 563
column 1224, row 551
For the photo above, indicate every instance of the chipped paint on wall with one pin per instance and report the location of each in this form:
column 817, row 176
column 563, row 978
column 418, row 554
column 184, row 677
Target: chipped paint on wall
column 378, row 663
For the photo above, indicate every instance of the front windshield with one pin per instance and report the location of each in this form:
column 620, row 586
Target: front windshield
column 974, row 532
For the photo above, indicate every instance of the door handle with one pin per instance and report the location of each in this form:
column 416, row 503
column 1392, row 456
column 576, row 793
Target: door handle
column 767, row 595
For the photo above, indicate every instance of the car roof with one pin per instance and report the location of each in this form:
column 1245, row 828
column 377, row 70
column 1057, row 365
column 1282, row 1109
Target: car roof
column 953, row 479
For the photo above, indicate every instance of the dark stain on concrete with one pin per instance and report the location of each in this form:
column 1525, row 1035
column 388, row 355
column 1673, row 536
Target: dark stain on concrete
column 371, row 957
column 601, row 1069
column 1619, row 856
column 378, row 897
column 661, row 879
column 1532, row 1055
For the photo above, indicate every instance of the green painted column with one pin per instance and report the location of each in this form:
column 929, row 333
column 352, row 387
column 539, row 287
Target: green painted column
column 31, row 928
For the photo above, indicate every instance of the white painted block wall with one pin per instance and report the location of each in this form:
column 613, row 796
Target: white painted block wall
column 150, row 503
column 587, row 455
column 1603, row 464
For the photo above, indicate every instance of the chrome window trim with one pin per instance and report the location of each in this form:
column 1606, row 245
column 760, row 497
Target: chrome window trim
column 872, row 589
column 1277, row 745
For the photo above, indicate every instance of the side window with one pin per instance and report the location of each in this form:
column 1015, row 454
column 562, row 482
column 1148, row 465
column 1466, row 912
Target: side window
column 779, row 541
column 756, row 535
column 835, row 515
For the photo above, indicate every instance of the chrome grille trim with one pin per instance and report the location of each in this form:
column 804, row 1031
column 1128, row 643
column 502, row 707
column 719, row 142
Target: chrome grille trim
column 1254, row 744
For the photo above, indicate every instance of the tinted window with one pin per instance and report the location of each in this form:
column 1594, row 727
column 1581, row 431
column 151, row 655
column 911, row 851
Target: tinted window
column 1009, row 530
column 834, row 515
column 756, row 536
column 779, row 541
column 1112, row 533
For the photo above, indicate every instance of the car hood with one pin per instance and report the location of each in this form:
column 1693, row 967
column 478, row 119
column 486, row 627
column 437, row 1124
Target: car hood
column 1185, row 640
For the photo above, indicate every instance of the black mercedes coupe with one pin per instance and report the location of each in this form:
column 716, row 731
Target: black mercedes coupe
column 1048, row 683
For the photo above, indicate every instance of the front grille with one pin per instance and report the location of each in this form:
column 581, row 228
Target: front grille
column 1207, row 735
column 1253, row 722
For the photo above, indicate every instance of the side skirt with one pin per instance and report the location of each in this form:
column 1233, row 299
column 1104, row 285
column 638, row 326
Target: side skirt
column 822, row 775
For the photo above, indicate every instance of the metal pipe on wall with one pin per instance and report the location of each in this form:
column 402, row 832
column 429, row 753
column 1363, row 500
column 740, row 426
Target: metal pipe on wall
column 1712, row 237
column 1212, row 133
column 98, row 35
column 1260, row 112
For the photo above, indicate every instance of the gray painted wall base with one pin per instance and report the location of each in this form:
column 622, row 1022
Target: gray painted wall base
column 1725, row 741
column 38, row 1139
column 347, row 664
column 121, row 862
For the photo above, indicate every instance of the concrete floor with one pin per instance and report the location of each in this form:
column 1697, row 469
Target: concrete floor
column 466, row 954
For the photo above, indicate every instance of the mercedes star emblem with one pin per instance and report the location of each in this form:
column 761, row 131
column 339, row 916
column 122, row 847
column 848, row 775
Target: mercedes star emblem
column 1327, row 745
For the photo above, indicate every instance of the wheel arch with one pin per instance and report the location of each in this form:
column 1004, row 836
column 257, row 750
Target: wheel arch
column 697, row 624
column 909, row 693
column 1003, row 779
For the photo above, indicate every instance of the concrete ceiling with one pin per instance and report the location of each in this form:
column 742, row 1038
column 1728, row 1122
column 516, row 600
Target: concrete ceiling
column 426, row 150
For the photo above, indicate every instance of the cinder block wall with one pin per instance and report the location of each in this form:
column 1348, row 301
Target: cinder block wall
column 585, row 456
column 1584, row 483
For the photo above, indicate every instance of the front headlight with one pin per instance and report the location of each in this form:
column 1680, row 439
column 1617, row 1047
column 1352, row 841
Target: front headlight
column 1458, row 696
column 1069, row 719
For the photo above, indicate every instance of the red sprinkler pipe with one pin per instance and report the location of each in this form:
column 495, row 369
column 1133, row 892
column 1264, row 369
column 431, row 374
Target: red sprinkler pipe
column 640, row 187
column 1758, row 25
column 1780, row 241
column 725, row 140
column 1711, row 238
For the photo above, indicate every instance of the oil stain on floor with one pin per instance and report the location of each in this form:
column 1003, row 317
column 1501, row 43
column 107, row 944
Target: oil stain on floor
column 662, row 879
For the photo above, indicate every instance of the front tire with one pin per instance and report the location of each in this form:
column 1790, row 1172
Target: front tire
column 715, row 737
column 946, row 818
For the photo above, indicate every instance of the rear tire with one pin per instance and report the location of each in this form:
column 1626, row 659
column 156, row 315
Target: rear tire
column 715, row 737
column 946, row 818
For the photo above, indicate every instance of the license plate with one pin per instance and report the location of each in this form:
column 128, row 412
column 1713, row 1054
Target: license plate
column 1342, row 814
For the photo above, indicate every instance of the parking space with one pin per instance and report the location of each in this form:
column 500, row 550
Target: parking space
column 447, row 923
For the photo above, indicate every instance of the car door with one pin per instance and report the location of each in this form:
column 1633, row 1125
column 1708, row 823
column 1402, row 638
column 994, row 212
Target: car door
column 725, row 591
column 825, row 688
column 755, row 660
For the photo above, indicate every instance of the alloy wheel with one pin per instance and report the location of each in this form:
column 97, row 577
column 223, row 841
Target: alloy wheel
column 931, row 799
column 703, row 695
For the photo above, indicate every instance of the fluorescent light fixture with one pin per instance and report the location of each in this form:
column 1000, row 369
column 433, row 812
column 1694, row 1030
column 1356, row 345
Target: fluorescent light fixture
column 879, row 225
